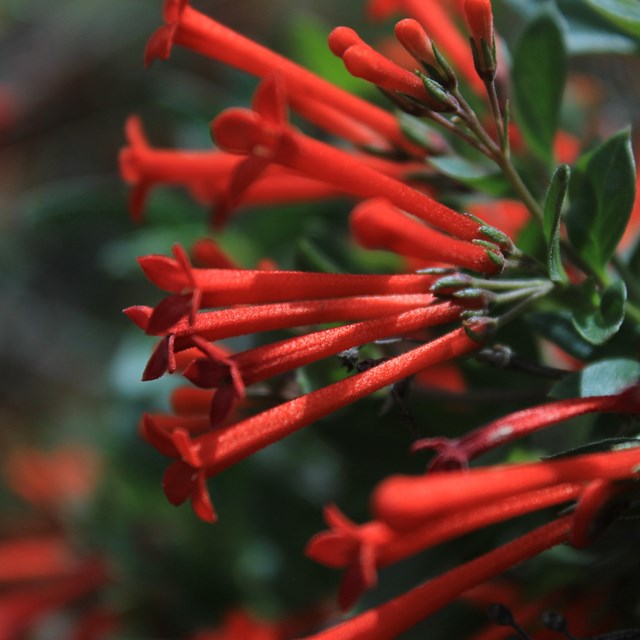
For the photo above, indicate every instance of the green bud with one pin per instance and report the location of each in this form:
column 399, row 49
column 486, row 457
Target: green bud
column 456, row 281
column 499, row 237
column 448, row 75
column 441, row 99
column 480, row 328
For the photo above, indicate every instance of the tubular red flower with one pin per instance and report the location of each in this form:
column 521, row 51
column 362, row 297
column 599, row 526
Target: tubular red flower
column 206, row 175
column 249, row 132
column 441, row 29
column 376, row 224
column 223, row 287
column 594, row 510
column 211, row 453
column 364, row 62
column 479, row 17
column 190, row 28
column 403, row 501
column 20, row 608
column 30, row 558
column 353, row 546
column 412, row 36
column 270, row 360
column 393, row 618
column 49, row 479
column 517, row 425
column 218, row 325
column 209, row 255
column 187, row 401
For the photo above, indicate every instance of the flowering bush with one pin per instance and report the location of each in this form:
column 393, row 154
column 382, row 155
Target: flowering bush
column 426, row 266
column 546, row 253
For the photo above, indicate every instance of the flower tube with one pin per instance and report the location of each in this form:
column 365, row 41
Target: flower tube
column 404, row 501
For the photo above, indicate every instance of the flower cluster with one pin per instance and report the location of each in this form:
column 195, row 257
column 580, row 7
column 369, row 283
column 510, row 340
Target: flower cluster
column 473, row 280
column 42, row 569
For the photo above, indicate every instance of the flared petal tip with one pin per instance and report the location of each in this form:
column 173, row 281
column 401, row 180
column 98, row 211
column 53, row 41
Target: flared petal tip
column 160, row 44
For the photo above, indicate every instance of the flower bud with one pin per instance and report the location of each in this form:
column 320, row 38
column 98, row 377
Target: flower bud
column 479, row 18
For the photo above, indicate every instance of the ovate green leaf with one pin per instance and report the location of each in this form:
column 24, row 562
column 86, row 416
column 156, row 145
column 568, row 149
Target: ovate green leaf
column 625, row 14
column 601, row 317
column 482, row 177
column 539, row 71
column 602, row 195
column 557, row 327
column 604, row 378
column 552, row 219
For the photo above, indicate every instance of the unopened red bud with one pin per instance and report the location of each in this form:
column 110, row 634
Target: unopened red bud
column 479, row 18
column 341, row 39
column 411, row 35
column 480, row 22
column 364, row 62
column 239, row 130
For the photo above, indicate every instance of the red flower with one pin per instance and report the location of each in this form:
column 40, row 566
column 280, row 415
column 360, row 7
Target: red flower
column 48, row 480
column 42, row 572
column 441, row 28
column 404, row 502
column 264, row 134
column 205, row 174
column 458, row 452
column 22, row 607
column 208, row 454
column 390, row 620
column 479, row 18
column 190, row 28
column 362, row 549
column 362, row 61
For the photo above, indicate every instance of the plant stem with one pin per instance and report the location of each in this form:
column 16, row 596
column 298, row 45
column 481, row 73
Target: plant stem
column 501, row 298
column 633, row 286
column 632, row 311
column 507, row 285
column 452, row 128
column 497, row 116
column 518, row 309
column 499, row 156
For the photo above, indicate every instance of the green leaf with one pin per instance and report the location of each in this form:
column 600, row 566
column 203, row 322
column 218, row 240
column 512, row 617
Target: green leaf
column 417, row 131
column 558, row 328
column 539, row 71
column 311, row 257
column 602, row 195
column 625, row 14
column 482, row 177
column 603, row 378
column 552, row 219
column 583, row 39
column 601, row 317
column 308, row 40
